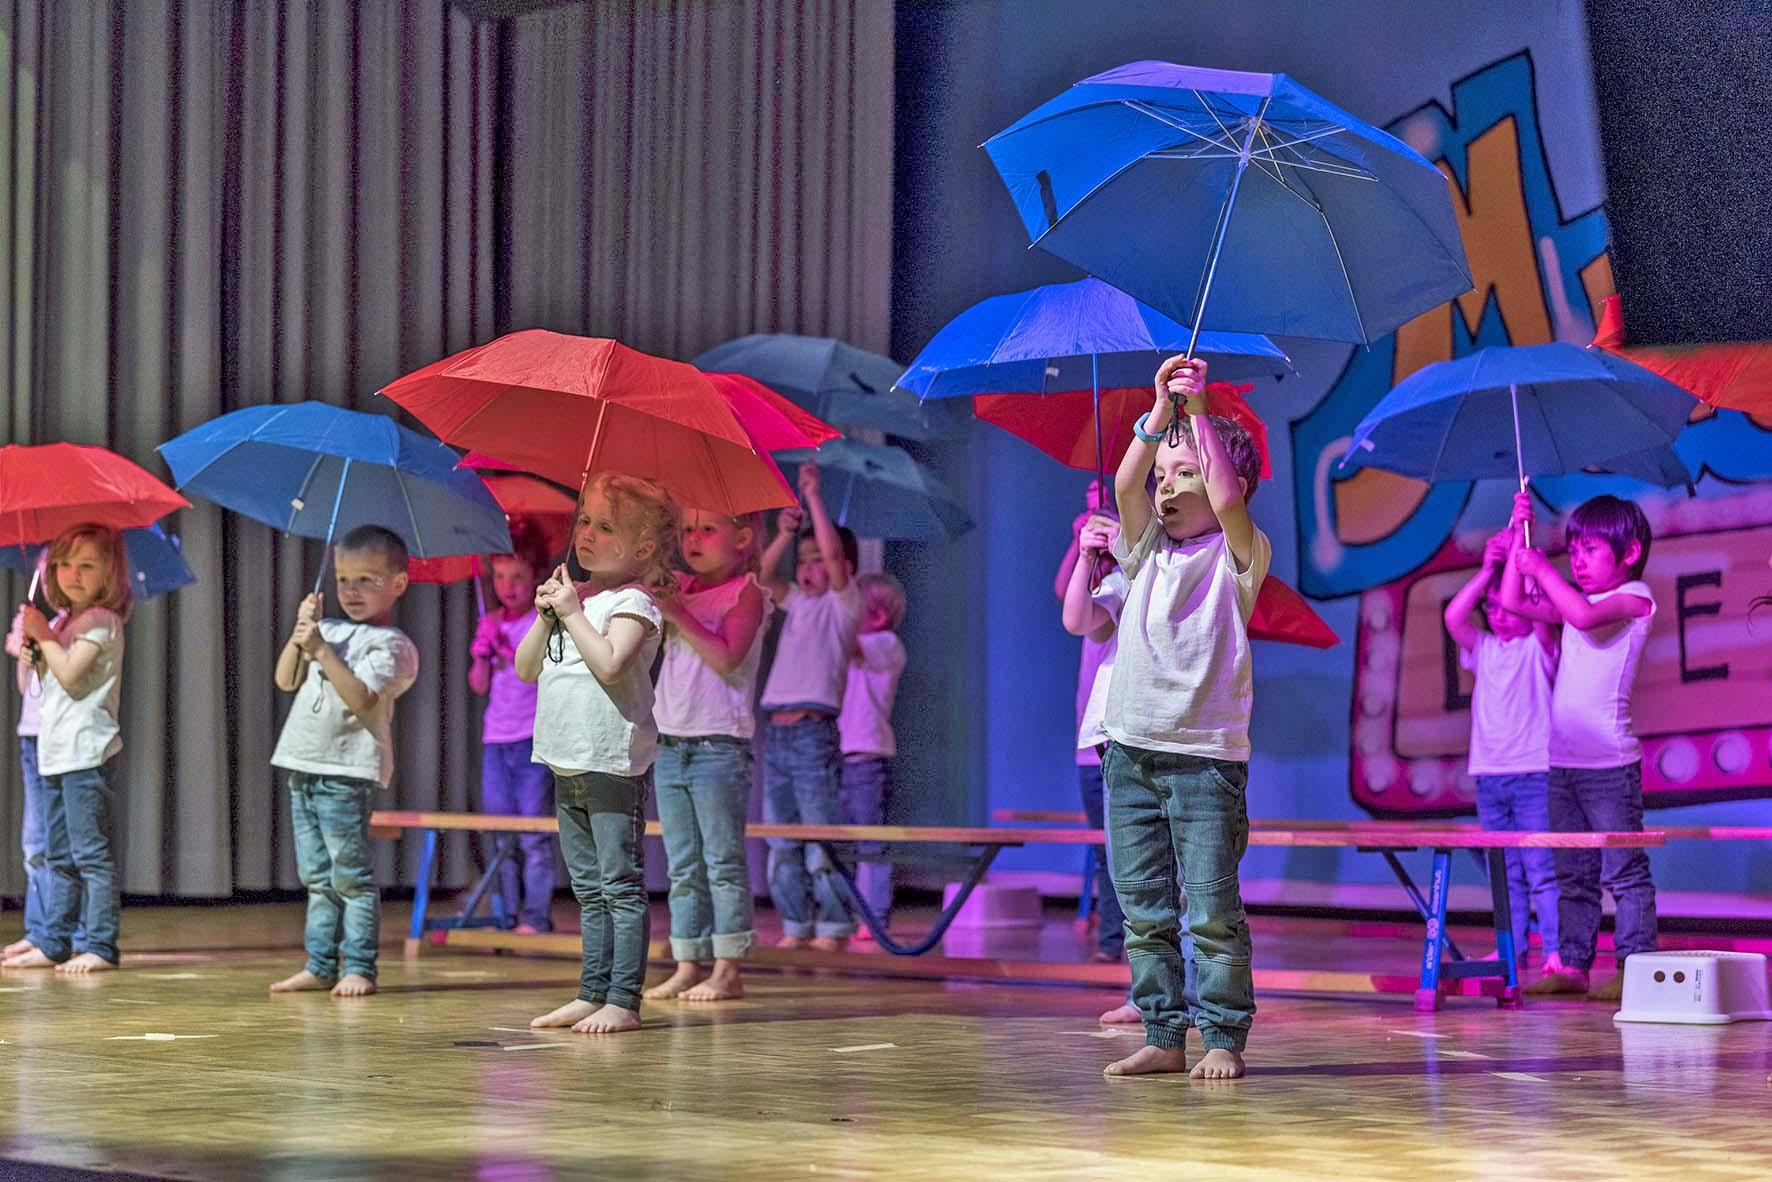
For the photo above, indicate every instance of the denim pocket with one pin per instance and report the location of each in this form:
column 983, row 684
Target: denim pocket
column 1232, row 777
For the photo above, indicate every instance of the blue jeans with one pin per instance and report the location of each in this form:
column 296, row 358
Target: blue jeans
column 802, row 769
column 1522, row 802
column 602, row 820
column 512, row 785
column 32, row 838
column 329, row 819
column 1164, row 810
column 866, row 783
column 1110, row 935
column 704, row 794
column 78, row 844
column 1601, row 800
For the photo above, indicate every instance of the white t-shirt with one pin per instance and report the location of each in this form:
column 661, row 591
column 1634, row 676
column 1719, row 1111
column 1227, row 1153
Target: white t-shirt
column 864, row 727
column 1510, row 706
column 1182, row 679
column 324, row 737
column 1110, row 596
column 510, row 703
column 693, row 700
column 812, row 658
column 583, row 725
column 30, row 711
column 1590, row 722
column 78, row 726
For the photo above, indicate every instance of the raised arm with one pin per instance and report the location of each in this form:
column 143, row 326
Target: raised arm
column 606, row 654
column 1081, row 615
column 1062, row 579
column 1224, row 488
column 723, row 651
column 1573, row 606
column 69, row 664
column 787, row 536
column 292, row 662
column 1461, row 618
column 1177, row 374
column 534, row 645
column 830, row 543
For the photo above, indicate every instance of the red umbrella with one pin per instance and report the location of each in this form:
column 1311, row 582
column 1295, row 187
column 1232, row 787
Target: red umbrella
column 53, row 487
column 1282, row 614
column 1063, row 425
column 1728, row 377
column 773, row 422
column 566, row 406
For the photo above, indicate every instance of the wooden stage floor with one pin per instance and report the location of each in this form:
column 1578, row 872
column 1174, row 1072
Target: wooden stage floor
column 822, row 1075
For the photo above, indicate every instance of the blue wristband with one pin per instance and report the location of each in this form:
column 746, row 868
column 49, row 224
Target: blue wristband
column 1138, row 430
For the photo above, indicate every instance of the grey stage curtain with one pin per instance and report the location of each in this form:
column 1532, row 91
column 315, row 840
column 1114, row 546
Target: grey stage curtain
column 210, row 205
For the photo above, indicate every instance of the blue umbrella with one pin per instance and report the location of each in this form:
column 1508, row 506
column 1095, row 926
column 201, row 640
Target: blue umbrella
column 1156, row 177
column 156, row 564
column 879, row 491
column 836, row 381
column 318, row 470
column 1522, row 411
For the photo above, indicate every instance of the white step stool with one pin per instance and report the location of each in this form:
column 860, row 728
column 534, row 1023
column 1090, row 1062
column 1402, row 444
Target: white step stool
column 1698, row 988
column 996, row 905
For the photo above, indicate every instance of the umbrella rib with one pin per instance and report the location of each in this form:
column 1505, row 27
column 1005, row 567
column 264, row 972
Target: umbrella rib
column 1156, row 113
column 1230, row 137
column 411, row 514
column 1341, row 265
column 301, row 493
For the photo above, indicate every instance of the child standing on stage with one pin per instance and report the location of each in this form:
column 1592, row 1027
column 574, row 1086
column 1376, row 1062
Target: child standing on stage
column 337, row 747
column 31, row 838
column 78, row 663
column 802, row 768
column 1178, row 714
column 864, row 726
column 706, row 715
column 511, row 782
column 1514, row 660
column 590, row 651
column 1596, row 769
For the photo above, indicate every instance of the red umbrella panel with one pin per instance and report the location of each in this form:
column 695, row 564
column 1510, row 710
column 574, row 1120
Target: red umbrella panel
column 774, row 422
column 1063, row 425
column 566, row 406
column 52, row 487
column 1728, row 377
column 1281, row 614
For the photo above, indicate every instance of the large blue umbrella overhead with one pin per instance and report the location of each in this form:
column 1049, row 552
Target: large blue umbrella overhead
column 1235, row 201
column 1071, row 336
column 319, row 471
column 879, row 491
column 836, row 381
column 156, row 562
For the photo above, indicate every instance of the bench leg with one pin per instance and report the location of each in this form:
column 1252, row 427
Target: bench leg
column 501, row 850
column 1427, row 993
column 1505, row 951
column 1422, row 906
column 845, row 884
column 421, row 899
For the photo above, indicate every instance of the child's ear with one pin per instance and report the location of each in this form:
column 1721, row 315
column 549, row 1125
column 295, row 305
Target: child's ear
column 401, row 581
column 1633, row 554
column 645, row 550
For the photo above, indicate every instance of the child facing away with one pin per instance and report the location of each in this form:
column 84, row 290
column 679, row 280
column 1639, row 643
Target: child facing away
column 707, row 692
column 1081, row 578
column 1596, row 770
column 864, row 727
column 590, row 651
column 803, row 760
column 1178, row 713
column 337, row 748
column 78, row 665
column 511, row 782
column 1514, row 661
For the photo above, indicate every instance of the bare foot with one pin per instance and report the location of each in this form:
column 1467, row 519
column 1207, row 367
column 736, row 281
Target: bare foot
column 1218, row 1063
column 1564, row 981
column 1148, row 1060
column 828, row 943
column 17, row 948
column 687, row 974
column 723, row 985
column 569, row 1014
column 792, row 942
column 611, row 1019
column 302, row 982
column 1553, row 963
column 353, row 985
column 1612, row 989
column 86, row 962
column 864, row 935
column 526, row 929
column 28, row 960
column 1100, row 957
column 1124, row 1015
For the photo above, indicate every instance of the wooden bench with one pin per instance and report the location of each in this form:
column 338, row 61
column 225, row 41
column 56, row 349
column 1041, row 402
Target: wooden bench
column 1385, row 838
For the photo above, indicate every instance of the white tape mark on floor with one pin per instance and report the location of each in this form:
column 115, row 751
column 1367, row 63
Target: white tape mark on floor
column 1417, row 1034
column 18, row 989
column 466, row 973
column 1104, row 1032
column 1519, row 1076
column 866, row 1046
column 531, row 1046
column 1451, row 1054
column 155, row 1037
column 523, row 1029
column 176, row 976
column 130, row 1001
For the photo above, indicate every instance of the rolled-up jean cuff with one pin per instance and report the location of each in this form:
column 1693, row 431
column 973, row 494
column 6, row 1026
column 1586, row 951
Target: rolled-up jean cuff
column 1221, row 1038
column 799, row 930
column 700, row 948
column 834, row 931
column 733, row 945
column 592, row 998
column 624, row 1000
column 1170, row 1038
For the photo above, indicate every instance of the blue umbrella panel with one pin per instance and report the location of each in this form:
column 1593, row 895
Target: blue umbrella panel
column 879, row 491
column 156, row 563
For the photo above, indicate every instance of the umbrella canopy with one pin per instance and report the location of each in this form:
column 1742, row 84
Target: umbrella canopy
column 1282, row 615
column 1728, row 377
column 1576, row 408
column 836, row 381
column 156, row 563
column 53, row 487
column 774, row 423
column 879, row 491
column 1071, row 336
column 523, row 497
column 319, row 471
column 566, row 406
column 1235, row 201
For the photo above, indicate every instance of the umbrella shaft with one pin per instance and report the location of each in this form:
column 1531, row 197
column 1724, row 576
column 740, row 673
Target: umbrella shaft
column 1223, row 228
